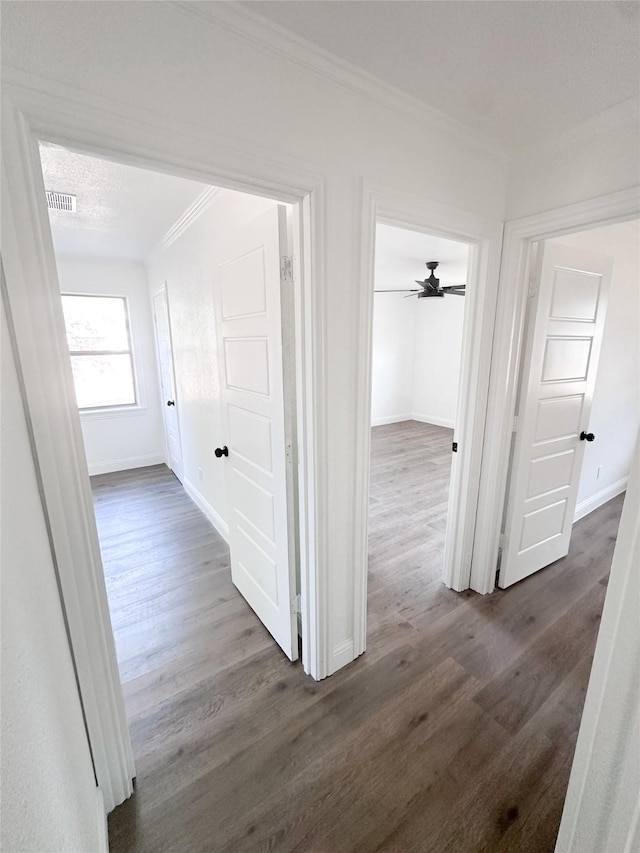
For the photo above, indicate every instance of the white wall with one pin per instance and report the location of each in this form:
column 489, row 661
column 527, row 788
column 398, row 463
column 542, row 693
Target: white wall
column 598, row 157
column 393, row 345
column 167, row 67
column 602, row 813
column 436, row 364
column 131, row 438
column 49, row 795
column 615, row 416
column 188, row 266
column 416, row 350
column 416, row 343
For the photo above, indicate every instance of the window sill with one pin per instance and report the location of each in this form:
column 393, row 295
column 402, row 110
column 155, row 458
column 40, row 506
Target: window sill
column 112, row 412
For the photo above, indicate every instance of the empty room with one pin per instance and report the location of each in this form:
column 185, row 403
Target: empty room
column 417, row 337
column 270, row 580
column 182, row 443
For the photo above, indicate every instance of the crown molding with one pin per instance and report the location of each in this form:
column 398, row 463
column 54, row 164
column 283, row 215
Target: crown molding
column 609, row 121
column 275, row 39
column 193, row 212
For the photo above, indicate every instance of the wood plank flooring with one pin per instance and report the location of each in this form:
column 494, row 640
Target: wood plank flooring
column 454, row 732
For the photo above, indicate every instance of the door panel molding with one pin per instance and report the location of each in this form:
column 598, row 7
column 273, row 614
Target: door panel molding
column 253, row 379
column 560, row 362
column 517, row 261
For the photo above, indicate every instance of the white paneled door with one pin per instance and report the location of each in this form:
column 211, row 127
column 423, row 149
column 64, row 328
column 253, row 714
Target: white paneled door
column 566, row 324
column 256, row 454
column 167, row 381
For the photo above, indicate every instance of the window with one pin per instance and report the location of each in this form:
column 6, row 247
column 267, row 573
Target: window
column 100, row 349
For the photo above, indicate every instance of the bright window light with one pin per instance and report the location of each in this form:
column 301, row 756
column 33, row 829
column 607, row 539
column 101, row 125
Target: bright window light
column 100, row 349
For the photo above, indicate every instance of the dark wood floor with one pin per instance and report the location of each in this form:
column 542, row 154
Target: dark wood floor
column 454, row 732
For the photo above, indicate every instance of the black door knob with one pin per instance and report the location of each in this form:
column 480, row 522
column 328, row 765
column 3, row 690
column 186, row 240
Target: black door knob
column 171, row 402
column 586, row 436
column 221, row 451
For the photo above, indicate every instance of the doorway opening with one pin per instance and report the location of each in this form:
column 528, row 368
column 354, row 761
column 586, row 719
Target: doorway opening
column 578, row 409
column 179, row 308
column 420, row 281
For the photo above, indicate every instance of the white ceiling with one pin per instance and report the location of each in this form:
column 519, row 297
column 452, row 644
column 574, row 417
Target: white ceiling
column 401, row 256
column 122, row 211
column 515, row 71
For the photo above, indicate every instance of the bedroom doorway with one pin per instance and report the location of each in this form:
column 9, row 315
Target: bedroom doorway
column 420, row 282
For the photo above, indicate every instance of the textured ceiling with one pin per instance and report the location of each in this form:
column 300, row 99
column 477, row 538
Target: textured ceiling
column 515, row 71
column 122, row 211
column 401, row 256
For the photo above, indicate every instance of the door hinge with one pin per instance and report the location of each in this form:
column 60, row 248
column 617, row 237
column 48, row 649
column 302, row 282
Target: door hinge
column 533, row 287
column 286, row 268
column 454, row 446
column 296, row 604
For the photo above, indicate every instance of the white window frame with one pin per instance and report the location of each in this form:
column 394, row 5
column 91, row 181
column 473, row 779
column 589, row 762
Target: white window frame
column 130, row 351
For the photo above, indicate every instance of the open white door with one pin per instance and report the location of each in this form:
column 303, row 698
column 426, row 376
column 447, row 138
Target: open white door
column 249, row 312
column 167, row 381
column 563, row 347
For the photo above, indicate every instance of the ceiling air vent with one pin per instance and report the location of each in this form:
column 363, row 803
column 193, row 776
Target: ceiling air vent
column 61, row 201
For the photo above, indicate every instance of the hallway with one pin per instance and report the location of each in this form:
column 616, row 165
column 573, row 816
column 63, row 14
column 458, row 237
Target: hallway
column 454, row 732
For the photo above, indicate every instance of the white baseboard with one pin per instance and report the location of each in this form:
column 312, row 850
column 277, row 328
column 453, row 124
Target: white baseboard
column 390, row 419
column 202, row 503
column 126, row 464
column 342, row 655
column 433, row 419
column 103, row 829
column 601, row 497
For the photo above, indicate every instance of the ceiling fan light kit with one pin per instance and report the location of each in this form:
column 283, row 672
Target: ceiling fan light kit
column 430, row 286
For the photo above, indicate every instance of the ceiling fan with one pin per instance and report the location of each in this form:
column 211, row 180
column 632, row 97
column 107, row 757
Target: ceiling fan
column 430, row 286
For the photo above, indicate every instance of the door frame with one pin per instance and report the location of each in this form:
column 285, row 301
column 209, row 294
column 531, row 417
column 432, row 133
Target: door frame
column 517, row 267
column 485, row 238
column 33, row 111
column 164, row 292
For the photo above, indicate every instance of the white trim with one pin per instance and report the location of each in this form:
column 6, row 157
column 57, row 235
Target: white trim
column 413, row 416
column 35, row 313
column 103, row 826
column 268, row 36
column 203, row 504
column 433, row 419
column 590, row 504
column 36, row 108
column 391, row 419
column 110, row 412
column 126, row 464
column 601, row 808
column 520, row 235
column 343, row 654
column 609, row 121
column 191, row 214
column 379, row 204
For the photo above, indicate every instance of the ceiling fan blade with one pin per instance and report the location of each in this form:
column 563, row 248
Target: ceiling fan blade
column 415, row 293
column 449, row 287
column 455, row 292
column 398, row 290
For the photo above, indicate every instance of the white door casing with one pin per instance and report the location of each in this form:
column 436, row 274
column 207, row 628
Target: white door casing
column 566, row 324
column 167, row 381
column 259, row 451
